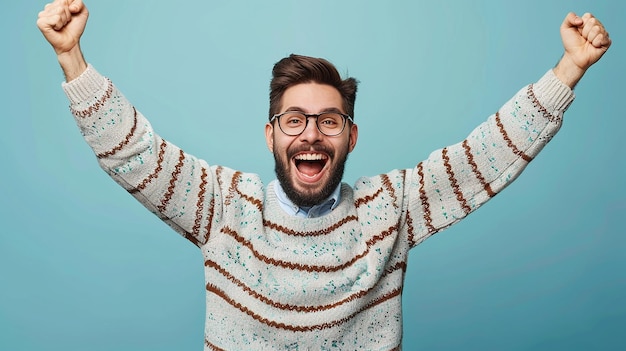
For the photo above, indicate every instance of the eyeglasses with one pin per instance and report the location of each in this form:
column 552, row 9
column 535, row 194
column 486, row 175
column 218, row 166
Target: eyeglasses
column 293, row 123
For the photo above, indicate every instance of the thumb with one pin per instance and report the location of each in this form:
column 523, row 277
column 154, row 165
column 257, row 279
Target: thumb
column 572, row 21
column 76, row 6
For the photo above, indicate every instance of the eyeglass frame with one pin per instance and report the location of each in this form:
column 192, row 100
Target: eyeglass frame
column 306, row 124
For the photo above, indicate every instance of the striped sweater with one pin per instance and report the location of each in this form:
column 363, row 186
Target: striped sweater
column 275, row 281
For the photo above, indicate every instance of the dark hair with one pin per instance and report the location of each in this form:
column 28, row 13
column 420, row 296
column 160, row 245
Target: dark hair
column 297, row 69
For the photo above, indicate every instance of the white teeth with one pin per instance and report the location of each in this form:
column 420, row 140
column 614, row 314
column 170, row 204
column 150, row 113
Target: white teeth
column 310, row 157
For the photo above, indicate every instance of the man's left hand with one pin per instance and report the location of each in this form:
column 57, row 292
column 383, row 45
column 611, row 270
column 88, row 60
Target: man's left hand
column 585, row 40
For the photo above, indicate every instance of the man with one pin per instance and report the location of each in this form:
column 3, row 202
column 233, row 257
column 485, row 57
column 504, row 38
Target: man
column 309, row 262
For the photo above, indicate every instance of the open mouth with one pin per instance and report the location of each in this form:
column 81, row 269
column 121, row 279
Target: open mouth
column 310, row 165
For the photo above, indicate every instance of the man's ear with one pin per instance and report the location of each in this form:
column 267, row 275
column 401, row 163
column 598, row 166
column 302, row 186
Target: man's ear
column 354, row 135
column 269, row 136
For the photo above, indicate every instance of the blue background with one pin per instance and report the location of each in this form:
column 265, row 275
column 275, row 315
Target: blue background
column 541, row 267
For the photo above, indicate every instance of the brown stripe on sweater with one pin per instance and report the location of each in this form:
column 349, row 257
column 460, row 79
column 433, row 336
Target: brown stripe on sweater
column 477, row 173
column 199, row 204
column 209, row 224
column 95, row 107
column 232, row 188
column 296, row 308
column 387, row 184
column 531, row 95
column 301, row 328
column 306, row 267
column 424, row 199
column 124, row 142
column 218, row 175
column 410, row 229
column 453, row 182
column 509, row 142
column 194, row 240
column 326, row 231
column 144, row 183
column 251, row 199
column 211, row 346
column 173, row 179
column 362, row 201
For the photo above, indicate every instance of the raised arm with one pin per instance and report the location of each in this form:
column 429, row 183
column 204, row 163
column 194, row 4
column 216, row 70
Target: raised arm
column 585, row 40
column 62, row 23
column 456, row 180
column 174, row 185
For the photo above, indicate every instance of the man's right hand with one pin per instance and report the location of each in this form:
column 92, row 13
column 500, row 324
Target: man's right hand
column 62, row 23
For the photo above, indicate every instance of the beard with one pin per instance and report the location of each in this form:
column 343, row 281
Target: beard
column 308, row 198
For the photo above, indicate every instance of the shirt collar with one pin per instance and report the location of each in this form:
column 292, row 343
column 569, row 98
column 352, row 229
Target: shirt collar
column 321, row 209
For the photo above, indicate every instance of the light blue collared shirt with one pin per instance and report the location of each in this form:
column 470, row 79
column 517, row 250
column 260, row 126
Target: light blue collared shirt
column 322, row 209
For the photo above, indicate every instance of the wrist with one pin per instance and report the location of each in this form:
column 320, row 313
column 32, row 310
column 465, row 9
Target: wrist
column 568, row 72
column 72, row 63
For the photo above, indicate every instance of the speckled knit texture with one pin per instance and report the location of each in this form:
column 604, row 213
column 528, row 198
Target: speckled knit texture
column 274, row 281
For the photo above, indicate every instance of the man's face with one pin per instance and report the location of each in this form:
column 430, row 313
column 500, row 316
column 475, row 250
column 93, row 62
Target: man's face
column 310, row 166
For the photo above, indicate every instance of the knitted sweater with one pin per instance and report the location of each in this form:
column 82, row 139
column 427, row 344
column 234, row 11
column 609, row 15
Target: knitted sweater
column 275, row 281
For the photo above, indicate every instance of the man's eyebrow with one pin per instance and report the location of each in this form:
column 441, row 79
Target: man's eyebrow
column 295, row 109
column 300, row 109
column 332, row 109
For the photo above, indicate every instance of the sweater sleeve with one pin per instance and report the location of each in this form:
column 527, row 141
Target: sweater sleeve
column 174, row 185
column 454, row 181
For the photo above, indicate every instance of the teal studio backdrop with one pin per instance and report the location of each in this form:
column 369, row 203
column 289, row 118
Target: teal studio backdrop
column 541, row 267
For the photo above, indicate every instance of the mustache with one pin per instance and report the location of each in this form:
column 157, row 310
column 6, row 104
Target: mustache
column 310, row 148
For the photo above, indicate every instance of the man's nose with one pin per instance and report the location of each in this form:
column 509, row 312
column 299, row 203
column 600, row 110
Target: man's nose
column 311, row 133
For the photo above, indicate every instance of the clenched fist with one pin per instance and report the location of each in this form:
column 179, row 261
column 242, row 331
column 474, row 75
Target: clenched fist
column 585, row 40
column 62, row 23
